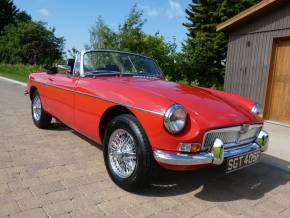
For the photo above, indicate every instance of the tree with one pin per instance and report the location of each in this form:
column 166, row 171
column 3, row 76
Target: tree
column 30, row 43
column 205, row 49
column 22, row 16
column 101, row 36
column 164, row 52
column 25, row 41
column 131, row 37
column 8, row 12
column 72, row 53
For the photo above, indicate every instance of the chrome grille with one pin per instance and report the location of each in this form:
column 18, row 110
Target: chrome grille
column 232, row 136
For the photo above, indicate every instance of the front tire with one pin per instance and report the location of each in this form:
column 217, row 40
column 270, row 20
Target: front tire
column 127, row 153
column 39, row 116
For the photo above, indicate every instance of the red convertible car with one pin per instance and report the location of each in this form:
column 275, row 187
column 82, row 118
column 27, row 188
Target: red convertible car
column 122, row 101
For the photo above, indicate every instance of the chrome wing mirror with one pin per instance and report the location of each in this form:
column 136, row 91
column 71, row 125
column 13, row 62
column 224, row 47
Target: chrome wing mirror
column 63, row 68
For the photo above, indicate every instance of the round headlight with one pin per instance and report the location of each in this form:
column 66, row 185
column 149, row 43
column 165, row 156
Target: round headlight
column 256, row 109
column 175, row 118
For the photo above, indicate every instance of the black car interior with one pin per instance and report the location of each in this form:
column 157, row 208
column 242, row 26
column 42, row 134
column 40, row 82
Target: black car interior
column 71, row 63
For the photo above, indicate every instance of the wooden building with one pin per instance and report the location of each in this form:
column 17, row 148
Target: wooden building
column 258, row 58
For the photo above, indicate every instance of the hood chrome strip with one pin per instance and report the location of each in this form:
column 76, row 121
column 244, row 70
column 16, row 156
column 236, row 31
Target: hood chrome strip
column 101, row 98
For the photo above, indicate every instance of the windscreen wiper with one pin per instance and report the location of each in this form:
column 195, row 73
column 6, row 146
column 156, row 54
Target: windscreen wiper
column 145, row 74
column 108, row 73
column 102, row 73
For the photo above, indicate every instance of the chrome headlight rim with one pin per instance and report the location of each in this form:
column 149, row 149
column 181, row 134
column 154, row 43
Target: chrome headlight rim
column 257, row 109
column 167, row 118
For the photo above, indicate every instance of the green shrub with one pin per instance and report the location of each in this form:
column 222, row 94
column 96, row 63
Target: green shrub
column 18, row 72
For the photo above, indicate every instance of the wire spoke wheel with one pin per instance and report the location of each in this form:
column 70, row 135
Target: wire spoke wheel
column 36, row 108
column 122, row 153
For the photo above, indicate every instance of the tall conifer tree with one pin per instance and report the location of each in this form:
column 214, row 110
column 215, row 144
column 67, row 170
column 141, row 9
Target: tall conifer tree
column 205, row 49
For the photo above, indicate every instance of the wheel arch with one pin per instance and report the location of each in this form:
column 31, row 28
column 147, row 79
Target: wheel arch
column 110, row 114
column 31, row 91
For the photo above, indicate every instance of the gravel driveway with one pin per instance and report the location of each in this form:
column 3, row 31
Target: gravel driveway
column 59, row 173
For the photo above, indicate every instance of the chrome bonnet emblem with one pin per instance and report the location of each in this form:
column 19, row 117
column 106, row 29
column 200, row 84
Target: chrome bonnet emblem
column 244, row 129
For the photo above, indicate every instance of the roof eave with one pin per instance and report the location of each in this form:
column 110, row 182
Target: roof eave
column 249, row 13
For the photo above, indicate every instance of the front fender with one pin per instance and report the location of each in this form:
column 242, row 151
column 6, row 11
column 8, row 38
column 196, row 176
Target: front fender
column 242, row 101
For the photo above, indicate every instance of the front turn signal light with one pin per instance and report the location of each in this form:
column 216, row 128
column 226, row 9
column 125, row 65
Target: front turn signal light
column 189, row 147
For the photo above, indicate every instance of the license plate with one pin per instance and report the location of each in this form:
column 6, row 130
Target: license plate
column 243, row 160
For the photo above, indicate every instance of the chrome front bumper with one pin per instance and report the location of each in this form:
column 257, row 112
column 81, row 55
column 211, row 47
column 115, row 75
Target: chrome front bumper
column 216, row 156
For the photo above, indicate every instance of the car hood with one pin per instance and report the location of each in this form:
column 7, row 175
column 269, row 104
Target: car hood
column 157, row 95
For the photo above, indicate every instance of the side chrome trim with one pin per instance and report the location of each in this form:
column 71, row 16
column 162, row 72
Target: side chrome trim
column 103, row 99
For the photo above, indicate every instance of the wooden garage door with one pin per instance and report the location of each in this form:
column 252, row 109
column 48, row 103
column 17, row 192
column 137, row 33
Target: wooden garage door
column 278, row 93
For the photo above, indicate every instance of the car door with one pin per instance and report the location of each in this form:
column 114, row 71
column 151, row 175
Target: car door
column 88, row 109
column 62, row 96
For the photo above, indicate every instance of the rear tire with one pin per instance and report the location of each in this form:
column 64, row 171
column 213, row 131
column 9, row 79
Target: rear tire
column 127, row 153
column 39, row 116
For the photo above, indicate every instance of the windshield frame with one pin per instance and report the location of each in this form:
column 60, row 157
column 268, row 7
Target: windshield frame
column 83, row 74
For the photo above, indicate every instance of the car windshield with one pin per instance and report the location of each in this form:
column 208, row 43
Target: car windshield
column 110, row 62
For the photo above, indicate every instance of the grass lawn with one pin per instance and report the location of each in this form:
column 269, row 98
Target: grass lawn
column 18, row 72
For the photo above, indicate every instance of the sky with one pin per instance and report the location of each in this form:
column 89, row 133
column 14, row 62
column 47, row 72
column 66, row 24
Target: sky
column 73, row 18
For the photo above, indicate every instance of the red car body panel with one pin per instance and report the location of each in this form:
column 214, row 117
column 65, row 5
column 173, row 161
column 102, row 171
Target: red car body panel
column 80, row 102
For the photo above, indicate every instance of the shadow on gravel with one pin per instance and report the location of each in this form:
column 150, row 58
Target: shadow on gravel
column 56, row 126
column 91, row 142
column 213, row 184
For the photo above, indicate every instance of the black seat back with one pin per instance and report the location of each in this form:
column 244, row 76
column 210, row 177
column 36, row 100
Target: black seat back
column 71, row 63
column 112, row 67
